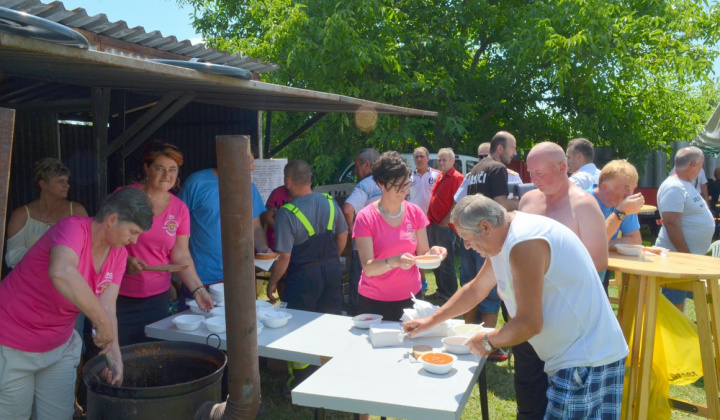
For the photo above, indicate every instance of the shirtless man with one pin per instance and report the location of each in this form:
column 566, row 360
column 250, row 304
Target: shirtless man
column 557, row 198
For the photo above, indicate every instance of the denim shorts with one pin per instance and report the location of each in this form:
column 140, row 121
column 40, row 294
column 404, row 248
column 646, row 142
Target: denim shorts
column 491, row 304
column 676, row 296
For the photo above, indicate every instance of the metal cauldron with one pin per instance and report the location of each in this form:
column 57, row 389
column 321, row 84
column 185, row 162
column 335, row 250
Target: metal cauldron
column 162, row 380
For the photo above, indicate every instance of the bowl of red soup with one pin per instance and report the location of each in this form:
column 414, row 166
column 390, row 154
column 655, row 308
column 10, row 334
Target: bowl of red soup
column 438, row 363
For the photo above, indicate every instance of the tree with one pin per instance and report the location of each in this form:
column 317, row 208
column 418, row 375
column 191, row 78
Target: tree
column 633, row 75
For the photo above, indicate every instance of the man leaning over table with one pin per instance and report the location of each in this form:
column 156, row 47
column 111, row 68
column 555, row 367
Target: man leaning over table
column 614, row 193
column 310, row 234
column 201, row 193
column 688, row 225
column 559, row 308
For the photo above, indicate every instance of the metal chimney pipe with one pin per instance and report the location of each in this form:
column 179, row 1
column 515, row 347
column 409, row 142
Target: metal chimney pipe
column 243, row 402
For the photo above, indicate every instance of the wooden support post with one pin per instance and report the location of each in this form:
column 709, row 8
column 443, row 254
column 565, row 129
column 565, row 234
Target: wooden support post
column 101, row 115
column 7, row 128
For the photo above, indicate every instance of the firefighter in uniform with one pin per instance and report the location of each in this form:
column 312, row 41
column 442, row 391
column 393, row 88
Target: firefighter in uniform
column 310, row 234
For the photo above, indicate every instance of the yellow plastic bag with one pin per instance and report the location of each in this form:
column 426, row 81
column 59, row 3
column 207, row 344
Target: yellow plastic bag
column 681, row 344
column 676, row 359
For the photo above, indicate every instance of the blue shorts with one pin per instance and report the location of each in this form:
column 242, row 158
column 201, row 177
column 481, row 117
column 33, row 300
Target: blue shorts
column 491, row 304
column 676, row 296
column 586, row 392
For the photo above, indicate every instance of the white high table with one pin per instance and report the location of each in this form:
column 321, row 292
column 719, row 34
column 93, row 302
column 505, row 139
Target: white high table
column 355, row 377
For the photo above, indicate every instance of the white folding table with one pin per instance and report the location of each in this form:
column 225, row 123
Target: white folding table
column 354, row 376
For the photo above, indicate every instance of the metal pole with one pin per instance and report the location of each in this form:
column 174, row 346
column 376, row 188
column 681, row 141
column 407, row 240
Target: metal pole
column 233, row 157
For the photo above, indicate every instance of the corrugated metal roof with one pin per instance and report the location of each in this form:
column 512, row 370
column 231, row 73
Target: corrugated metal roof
column 99, row 24
column 36, row 63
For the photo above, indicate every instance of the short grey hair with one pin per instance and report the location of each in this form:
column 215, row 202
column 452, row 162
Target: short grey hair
column 473, row 209
column 687, row 156
column 130, row 204
column 299, row 171
column 368, row 155
column 447, row 150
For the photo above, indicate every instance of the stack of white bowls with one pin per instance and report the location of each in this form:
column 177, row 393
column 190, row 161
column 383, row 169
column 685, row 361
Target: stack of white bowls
column 217, row 292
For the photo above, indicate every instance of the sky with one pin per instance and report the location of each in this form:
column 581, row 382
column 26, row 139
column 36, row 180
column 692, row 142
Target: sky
column 153, row 15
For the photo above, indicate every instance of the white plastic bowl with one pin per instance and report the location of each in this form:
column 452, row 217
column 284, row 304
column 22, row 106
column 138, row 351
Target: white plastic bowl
column 194, row 307
column 366, row 320
column 218, row 311
column 217, row 290
column 438, row 369
column 276, row 319
column 428, row 262
column 259, row 304
column 216, row 324
column 455, row 344
column 188, row 322
column 464, row 329
column 259, row 327
column 631, row 250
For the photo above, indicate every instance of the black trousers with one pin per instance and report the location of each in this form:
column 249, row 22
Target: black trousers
column 531, row 383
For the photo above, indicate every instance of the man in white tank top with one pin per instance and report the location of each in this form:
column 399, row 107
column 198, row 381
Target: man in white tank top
column 560, row 308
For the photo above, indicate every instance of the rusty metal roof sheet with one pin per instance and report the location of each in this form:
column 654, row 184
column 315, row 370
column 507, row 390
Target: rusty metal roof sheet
column 34, row 66
column 99, row 24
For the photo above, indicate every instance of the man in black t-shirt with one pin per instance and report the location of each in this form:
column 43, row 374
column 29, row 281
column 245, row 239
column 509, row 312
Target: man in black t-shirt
column 489, row 177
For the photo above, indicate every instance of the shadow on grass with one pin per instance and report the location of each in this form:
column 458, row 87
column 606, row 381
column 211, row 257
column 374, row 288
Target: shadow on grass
column 500, row 380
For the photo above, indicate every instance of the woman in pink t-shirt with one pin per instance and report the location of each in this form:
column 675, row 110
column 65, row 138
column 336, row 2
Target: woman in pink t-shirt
column 389, row 234
column 75, row 267
column 144, row 294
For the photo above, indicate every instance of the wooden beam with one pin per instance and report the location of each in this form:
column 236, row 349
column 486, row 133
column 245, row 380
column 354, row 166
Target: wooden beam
column 146, row 119
column 305, row 127
column 7, row 127
column 101, row 115
column 156, row 123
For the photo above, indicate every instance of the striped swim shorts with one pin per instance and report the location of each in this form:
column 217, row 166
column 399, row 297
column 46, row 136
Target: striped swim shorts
column 586, row 392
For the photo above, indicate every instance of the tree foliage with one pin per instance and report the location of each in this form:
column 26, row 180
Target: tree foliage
column 634, row 75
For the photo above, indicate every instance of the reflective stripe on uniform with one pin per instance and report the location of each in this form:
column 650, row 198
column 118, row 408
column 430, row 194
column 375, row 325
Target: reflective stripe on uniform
column 304, row 220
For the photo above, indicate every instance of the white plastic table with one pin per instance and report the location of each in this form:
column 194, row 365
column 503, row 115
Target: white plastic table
column 354, row 376
column 388, row 382
column 308, row 337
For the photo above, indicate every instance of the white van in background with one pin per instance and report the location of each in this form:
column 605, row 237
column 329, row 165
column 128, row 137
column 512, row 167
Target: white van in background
column 346, row 181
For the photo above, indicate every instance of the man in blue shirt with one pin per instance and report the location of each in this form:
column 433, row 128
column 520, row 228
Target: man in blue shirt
column 614, row 193
column 201, row 193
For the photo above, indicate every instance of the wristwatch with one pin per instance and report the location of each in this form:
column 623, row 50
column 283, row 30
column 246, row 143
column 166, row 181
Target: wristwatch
column 486, row 344
column 620, row 215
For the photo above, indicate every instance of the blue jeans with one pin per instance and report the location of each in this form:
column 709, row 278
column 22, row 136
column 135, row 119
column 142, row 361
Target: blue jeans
column 445, row 277
column 354, row 281
column 470, row 264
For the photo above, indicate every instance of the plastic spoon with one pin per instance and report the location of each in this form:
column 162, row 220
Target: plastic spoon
column 473, row 331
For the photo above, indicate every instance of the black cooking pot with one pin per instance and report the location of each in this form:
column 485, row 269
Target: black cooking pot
column 160, row 378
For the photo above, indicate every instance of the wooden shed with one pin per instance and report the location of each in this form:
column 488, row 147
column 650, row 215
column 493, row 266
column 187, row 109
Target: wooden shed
column 93, row 108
